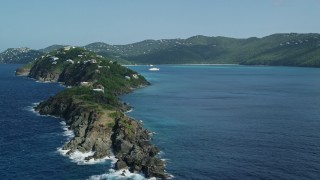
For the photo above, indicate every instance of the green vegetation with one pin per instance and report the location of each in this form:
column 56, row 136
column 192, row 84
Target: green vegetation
column 19, row 55
column 279, row 49
column 93, row 80
column 51, row 48
column 111, row 124
column 115, row 115
column 289, row 49
column 130, row 130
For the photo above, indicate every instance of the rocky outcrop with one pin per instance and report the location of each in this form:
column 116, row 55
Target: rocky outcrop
column 91, row 129
column 42, row 74
column 96, row 131
column 24, row 71
column 96, row 117
column 132, row 148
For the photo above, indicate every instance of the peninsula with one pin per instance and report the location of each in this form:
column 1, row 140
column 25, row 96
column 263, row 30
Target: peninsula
column 92, row 109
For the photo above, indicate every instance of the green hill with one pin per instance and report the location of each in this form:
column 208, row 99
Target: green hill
column 279, row 49
column 18, row 55
column 51, row 48
column 287, row 49
column 92, row 109
column 76, row 65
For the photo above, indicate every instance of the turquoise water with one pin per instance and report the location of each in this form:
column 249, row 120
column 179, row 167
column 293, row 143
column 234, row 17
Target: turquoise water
column 211, row 122
column 233, row 122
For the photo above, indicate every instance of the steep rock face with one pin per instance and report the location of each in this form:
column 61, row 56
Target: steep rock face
column 91, row 133
column 132, row 147
column 43, row 74
column 125, row 137
column 93, row 111
column 22, row 71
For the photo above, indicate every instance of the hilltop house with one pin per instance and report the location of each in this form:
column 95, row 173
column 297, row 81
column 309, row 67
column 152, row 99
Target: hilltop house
column 67, row 48
column 53, row 58
column 93, row 61
column 127, row 77
column 99, row 88
column 135, row 76
column 86, row 84
column 70, row 61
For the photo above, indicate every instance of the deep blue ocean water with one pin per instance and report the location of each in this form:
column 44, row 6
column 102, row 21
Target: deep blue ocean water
column 211, row 122
column 29, row 142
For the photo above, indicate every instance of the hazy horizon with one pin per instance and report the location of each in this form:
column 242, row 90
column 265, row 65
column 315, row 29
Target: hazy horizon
column 37, row 24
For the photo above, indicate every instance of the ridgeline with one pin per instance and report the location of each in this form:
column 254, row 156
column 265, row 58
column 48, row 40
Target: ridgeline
column 287, row 49
column 91, row 108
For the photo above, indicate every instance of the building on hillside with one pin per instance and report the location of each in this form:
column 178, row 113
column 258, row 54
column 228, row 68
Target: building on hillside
column 67, row 48
column 127, row 77
column 70, row 61
column 99, row 88
column 93, row 61
column 53, row 58
column 86, row 84
column 135, row 76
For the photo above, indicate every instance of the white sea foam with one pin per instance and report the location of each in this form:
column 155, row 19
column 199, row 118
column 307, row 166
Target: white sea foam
column 62, row 85
column 67, row 132
column 38, row 81
column 161, row 154
column 31, row 108
column 123, row 174
column 79, row 157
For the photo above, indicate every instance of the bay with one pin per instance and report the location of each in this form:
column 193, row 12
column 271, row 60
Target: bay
column 233, row 122
column 210, row 122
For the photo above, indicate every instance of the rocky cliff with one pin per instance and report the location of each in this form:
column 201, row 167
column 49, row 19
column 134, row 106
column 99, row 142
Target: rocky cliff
column 93, row 111
column 107, row 132
column 131, row 145
column 91, row 126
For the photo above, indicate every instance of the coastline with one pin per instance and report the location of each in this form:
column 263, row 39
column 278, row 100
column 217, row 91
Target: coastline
column 119, row 144
column 183, row 65
column 79, row 158
column 94, row 112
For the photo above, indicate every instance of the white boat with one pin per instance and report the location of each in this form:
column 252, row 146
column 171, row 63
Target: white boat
column 154, row 69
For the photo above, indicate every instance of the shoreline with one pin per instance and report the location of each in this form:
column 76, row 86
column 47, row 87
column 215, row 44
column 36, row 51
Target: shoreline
column 130, row 65
column 93, row 110
column 80, row 158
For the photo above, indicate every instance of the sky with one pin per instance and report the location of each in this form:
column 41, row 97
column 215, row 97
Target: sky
column 40, row 23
